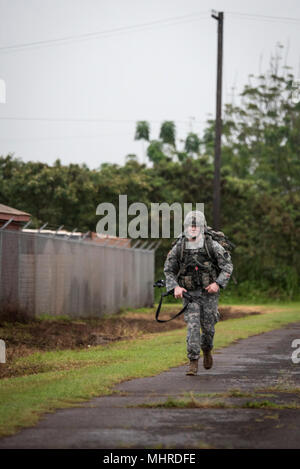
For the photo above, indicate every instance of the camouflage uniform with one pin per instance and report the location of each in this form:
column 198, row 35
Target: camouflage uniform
column 207, row 315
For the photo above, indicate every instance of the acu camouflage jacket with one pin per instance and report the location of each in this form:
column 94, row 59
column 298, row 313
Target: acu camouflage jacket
column 222, row 260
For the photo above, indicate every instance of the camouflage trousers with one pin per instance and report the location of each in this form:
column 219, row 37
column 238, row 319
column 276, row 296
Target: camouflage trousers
column 202, row 317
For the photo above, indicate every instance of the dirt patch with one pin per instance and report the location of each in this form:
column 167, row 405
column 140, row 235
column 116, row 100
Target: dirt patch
column 23, row 339
column 230, row 312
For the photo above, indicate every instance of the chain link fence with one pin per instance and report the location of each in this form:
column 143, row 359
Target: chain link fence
column 45, row 275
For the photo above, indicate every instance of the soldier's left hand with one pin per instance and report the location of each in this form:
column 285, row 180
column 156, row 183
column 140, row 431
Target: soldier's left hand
column 212, row 288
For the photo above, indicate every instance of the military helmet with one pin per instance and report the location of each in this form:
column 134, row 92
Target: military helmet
column 195, row 218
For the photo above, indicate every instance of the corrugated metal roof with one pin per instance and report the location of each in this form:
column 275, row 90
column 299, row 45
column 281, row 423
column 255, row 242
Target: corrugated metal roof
column 12, row 211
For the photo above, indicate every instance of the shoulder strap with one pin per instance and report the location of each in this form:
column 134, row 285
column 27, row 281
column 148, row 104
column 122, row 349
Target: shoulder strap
column 159, row 308
column 186, row 295
column 180, row 244
column 208, row 244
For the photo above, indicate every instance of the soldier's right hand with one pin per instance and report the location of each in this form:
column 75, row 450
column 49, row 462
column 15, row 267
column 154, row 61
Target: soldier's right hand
column 178, row 292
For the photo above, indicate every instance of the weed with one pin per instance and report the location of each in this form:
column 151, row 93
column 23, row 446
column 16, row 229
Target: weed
column 270, row 405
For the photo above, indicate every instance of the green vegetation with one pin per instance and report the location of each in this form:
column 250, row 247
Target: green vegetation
column 193, row 400
column 192, row 403
column 69, row 377
column 270, row 405
column 213, row 403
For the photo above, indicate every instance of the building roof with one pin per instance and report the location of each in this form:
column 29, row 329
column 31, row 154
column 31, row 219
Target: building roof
column 6, row 213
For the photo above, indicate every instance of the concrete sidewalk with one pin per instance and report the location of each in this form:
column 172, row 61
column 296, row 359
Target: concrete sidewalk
column 261, row 361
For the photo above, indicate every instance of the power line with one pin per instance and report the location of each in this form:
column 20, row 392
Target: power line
column 96, row 120
column 109, row 32
column 263, row 17
column 68, row 137
column 142, row 26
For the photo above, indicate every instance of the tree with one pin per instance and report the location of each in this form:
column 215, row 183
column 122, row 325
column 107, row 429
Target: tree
column 168, row 133
column 262, row 134
column 131, row 157
column 192, row 143
column 142, row 133
column 155, row 152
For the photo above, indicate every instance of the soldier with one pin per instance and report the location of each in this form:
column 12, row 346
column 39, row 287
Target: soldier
column 190, row 267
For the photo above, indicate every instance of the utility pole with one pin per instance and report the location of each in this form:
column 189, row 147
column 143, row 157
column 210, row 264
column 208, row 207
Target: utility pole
column 2, row 91
column 217, row 189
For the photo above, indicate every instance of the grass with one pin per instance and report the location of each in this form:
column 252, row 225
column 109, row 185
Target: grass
column 232, row 393
column 69, row 377
column 212, row 401
column 270, row 405
column 191, row 403
column 172, row 307
column 50, row 317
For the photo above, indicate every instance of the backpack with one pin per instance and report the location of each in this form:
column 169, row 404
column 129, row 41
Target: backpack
column 219, row 236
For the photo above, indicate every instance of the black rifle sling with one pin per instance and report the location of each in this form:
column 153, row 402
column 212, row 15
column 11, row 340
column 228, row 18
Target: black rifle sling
column 173, row 317
column 188, row 297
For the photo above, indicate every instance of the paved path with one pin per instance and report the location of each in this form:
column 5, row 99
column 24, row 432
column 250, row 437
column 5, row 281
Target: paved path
column 261, row 361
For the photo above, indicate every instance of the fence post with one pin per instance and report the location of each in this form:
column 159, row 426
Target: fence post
column 6, row 224
column 2, row 351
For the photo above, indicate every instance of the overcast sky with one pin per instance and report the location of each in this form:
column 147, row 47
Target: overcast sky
column 80, row 73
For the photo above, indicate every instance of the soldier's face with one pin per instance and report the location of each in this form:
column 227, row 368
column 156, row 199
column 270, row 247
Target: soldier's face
column 193, row 231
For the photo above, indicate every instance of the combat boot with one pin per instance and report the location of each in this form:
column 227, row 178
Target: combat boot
column 207, row 359
column 193, row 367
